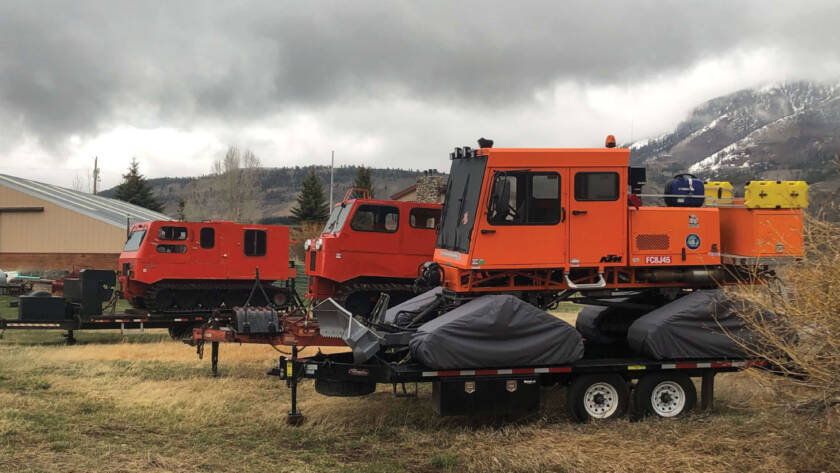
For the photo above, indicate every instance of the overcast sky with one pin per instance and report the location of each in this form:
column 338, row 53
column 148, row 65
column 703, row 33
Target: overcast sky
column 398, row 84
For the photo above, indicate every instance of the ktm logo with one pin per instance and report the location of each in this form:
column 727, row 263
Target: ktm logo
column 611, row 259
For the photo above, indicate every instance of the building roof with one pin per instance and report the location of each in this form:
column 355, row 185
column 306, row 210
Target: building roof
column 404, row 192
column 112, row 211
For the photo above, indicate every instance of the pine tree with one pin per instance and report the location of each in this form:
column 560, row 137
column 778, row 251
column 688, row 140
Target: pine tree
column 182, row 206
column 135, row 190
column 311, row 204
column 364, row 180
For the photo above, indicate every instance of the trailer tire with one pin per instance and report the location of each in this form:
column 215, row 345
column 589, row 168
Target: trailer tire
column 597, row 397
column 663, row 395
column 329, row 387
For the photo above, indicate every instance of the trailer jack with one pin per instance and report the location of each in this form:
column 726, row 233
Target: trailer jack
column 405, row 393
column 294, row 417
column 214, row 355
column 707, row 391
column 214, row 358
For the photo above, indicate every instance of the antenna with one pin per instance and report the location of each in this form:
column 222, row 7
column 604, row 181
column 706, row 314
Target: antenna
column 95, row 173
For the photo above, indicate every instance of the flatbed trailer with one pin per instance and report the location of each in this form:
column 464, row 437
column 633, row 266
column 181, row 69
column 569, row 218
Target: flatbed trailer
column 178, row 324
column 597, row 388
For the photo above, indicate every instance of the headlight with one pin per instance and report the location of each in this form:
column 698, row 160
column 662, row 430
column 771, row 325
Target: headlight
column 319, row 243
column 307, row 245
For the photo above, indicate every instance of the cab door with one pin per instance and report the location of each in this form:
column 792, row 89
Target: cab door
column 523, row 221
column 597, row 217
column 207, row 250
column 420, row 230
column 369, row 241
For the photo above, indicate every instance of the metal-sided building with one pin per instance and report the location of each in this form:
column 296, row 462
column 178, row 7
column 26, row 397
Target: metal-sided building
column 47, row 227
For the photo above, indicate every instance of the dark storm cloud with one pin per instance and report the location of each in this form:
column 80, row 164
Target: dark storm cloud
column 72, row 67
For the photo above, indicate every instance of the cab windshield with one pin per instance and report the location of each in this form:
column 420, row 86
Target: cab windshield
column 134, row 240
column 459, row 209
column 337, row 218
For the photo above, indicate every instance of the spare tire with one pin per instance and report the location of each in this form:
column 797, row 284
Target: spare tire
column 39, row 294
column 329, row 387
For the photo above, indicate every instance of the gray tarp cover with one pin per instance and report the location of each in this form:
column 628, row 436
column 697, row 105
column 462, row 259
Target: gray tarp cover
column 587, row 323
column 693, row 326
column 404, row 312
column 495, row 331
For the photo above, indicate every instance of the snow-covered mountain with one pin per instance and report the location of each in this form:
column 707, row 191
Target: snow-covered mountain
column 781, row 131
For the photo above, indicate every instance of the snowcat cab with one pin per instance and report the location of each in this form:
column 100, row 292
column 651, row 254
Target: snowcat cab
column 170, row 266
column 548, row 221
column 370, row 246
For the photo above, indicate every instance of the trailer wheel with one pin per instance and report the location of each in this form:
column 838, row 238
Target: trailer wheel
column 597, row 397
column 280, row 298
column 329, row 387
column 664, row 395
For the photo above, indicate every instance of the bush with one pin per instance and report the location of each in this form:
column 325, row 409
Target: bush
column 806, row 298
column 300, row 234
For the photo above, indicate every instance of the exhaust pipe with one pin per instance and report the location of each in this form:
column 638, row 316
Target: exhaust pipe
column 714, row 275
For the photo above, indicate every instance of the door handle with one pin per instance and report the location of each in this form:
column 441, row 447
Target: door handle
column 578, row 212
column 485, row 231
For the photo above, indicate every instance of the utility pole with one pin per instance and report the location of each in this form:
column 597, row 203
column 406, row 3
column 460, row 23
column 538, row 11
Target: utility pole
column 332, row 171
column 95, row 173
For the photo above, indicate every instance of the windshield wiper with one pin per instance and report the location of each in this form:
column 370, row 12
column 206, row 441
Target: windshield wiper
column 463, row 199
column 337, row 216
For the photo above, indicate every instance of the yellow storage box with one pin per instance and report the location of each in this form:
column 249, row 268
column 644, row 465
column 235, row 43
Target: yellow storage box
column 776, row 194
column 718, row 192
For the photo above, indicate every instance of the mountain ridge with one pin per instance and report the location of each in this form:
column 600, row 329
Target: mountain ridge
column 788, row 130
column 278, row 187
column 782, row 131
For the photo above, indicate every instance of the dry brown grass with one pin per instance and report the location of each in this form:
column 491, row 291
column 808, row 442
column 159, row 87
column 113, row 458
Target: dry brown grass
column 152, row 406
column 806, row 300
column 147, row 404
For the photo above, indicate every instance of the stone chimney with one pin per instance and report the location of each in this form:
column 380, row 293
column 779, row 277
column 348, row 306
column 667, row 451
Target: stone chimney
column 430, row 187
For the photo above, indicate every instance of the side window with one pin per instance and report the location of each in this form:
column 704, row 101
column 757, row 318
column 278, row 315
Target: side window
column 376, row 218
column 172, row 233
column 208, row 238
column 424, row 218
column 544, row 201
column 596, row 186
column 525, row 198
column 255, row 242
column 171, row 249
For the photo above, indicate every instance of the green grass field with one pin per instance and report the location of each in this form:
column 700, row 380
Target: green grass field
column 7, row 312
column 147, row 404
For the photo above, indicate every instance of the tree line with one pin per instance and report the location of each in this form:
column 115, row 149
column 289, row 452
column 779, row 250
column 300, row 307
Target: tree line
column 233, row 192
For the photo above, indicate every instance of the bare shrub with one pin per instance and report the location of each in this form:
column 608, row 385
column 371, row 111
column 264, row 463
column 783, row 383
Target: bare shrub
column 230, row 194
column 805, row 298
column 300, row 234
